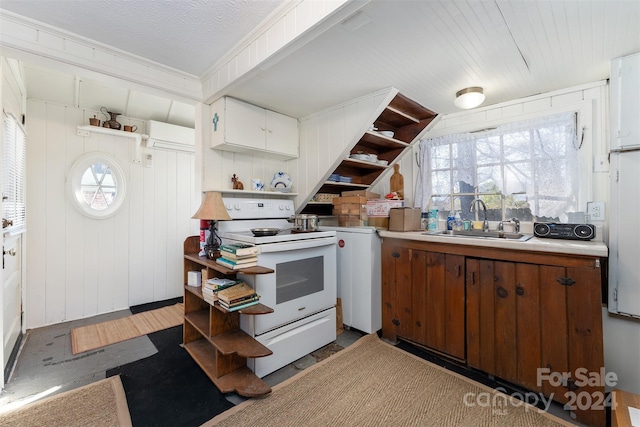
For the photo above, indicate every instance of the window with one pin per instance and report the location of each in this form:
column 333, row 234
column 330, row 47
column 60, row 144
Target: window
column 526, row 170
column 97, row 185
column 13, row 175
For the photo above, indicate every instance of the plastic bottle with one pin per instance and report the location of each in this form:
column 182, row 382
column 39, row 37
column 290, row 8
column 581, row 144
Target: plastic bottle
column 458, row 225
column 423, row 221
column 450, row 220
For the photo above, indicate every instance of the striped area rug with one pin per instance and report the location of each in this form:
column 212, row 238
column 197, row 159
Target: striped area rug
column 91, row 337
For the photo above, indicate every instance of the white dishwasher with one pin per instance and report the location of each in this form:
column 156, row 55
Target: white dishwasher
column 359, row 277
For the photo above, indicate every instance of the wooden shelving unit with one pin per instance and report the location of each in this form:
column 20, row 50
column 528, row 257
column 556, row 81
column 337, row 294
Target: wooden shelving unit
column 212, row 336
column 407, row 119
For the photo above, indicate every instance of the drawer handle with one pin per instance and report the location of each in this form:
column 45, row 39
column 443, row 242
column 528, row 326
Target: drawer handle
column 565, row 281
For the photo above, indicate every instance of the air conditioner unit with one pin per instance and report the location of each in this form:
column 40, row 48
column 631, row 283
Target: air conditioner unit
column 170, row 137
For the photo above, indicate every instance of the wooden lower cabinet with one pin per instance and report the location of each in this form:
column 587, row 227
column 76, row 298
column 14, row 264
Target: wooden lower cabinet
column 423, row 299
column 528, row 318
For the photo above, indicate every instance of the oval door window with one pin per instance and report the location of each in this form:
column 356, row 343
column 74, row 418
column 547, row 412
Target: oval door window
column 97, row 185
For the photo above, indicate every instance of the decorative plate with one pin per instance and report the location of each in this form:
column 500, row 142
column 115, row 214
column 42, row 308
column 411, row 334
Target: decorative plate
column 280, row 180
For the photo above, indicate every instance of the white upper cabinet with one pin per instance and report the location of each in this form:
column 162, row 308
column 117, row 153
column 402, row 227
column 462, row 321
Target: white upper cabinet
column 625, row 101
column 242, row 127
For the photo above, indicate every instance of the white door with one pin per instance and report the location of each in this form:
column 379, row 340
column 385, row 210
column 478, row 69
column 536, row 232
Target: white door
column 11, row 294
column 624, row 238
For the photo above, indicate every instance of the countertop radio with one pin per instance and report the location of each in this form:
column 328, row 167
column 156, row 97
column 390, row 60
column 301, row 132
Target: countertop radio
column 555, row 230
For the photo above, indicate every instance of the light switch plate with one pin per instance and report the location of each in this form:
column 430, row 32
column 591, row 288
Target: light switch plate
column 595, row 210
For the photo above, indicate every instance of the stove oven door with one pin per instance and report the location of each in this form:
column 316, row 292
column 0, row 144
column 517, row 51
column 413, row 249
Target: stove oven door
column 304, row 282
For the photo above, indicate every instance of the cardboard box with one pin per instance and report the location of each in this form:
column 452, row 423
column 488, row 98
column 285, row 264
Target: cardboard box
column 404, row 219
column 350, row 209
column 363, row 193
column 381, row 207
column 379, row 222
column 351, row 221
column 351, row 199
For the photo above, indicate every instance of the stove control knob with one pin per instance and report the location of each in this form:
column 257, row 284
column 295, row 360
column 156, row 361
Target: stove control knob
column 237, row 207
column 287, row 207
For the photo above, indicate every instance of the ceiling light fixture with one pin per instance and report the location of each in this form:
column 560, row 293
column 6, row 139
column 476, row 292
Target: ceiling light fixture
column 469, row 97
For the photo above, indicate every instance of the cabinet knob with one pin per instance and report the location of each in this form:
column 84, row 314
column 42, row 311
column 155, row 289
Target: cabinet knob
column 519, row 290
column 502, row 292
column 396, row 322
column 395, row 254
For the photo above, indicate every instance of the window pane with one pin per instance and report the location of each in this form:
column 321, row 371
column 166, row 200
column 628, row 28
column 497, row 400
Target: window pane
column 534, row 163
column 516, row 176
column 517, row 146
column 488, row 150
column 440, row 158
column 441, row 182
column 489, row 179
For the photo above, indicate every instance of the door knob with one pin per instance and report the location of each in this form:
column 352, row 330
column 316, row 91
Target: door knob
column 11, row 252
column 6, row 223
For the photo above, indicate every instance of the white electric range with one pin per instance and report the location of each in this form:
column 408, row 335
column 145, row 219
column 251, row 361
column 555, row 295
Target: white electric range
column 302, row 291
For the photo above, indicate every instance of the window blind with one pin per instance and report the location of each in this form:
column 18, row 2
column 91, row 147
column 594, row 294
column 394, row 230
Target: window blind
column 13, row 174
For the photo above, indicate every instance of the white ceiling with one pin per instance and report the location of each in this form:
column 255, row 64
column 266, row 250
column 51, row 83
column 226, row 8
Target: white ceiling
column 188, row 35
column 426, row 49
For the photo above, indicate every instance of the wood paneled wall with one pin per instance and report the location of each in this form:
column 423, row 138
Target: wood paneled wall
column 79, row 267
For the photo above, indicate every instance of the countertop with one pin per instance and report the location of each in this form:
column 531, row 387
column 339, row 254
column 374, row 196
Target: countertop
column 594, row 248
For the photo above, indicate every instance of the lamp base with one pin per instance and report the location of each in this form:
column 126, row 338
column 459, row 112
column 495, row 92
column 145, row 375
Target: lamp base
column 212, row 253
column 212, row 247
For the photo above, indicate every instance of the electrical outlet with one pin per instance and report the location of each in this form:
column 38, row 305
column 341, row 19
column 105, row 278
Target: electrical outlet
column 595, row 210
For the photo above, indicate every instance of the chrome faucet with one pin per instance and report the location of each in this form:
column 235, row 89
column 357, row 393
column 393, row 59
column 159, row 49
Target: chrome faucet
column 485, row 224
column 516, row 226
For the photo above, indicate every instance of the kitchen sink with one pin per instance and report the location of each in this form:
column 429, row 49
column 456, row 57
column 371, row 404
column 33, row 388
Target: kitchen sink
column 518, row 237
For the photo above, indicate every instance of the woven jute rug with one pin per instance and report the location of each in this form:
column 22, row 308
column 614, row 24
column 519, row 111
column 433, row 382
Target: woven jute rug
column 99, row 404
column 91, row 337
column 372, row 383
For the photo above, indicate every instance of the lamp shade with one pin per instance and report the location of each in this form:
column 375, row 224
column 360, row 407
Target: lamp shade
column 212, row 208
column 469, row 97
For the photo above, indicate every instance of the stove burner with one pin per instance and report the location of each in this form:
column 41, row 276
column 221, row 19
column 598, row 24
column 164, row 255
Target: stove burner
column 297, row 230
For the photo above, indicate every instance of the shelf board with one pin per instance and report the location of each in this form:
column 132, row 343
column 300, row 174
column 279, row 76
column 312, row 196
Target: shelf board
column 199, row 320
column 363, row 164
column 238, row 342
column 254, row 193
column 88, row 129
column 252, row 310
column 345, row 184
column 375, row 139
column 212, row 264
column 242, row 380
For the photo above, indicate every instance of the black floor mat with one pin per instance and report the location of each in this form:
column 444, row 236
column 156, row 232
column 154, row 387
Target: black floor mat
column 169, row 388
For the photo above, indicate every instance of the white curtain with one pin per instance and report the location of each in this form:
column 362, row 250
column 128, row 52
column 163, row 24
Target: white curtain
column 535, row 159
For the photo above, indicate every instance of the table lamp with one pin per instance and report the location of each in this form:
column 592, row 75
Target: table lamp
column 212, row 209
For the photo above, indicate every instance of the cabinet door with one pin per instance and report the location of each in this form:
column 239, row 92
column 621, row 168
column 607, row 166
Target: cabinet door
column 281, row 134
column 438, row 302
column 625, row 103
column 245, row 124
column 396, row 292
column 503, row 334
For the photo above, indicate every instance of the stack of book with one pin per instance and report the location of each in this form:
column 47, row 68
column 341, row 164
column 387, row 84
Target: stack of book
column 237, row 297
column 236, row 256
column 211, row 287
